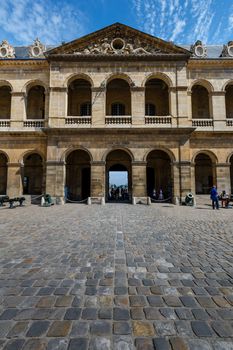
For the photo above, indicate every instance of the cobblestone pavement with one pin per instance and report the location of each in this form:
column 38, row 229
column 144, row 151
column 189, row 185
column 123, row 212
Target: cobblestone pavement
column 116, row 277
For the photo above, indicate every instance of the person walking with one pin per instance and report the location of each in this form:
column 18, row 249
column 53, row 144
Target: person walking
column 214, row 197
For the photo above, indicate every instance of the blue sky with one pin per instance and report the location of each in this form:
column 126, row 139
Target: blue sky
column 54, row 21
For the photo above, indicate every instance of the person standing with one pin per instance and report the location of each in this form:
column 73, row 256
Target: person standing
column 214, row 197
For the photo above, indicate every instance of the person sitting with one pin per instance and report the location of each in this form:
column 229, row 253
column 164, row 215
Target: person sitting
column 224, row 199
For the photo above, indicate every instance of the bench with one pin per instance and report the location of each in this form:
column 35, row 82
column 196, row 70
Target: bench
column 11, row 201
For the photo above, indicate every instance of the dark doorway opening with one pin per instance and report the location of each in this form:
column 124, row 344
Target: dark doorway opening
column 33, row 174
column 204, row 174
column 78, row 176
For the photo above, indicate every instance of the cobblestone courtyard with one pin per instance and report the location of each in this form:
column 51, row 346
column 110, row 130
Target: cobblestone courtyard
column 116, row 277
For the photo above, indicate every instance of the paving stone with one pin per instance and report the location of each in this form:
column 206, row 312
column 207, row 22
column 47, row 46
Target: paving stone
column 144, row 344
column 5, row 326
column 79, row 328
column 120, row 290
column 188, row 301
column 121, row 328
column 223, row 329
column 59, row 329
column 137, row 300
column 100, row 343
column 221, row 302
column 205, row 302
column 155, row 301
column 171, row 300
column 89, row 314
column 152, row 313
column 8, row 314
column 38, row 328
column 200, row 314
column 46, row 302
column 18, row 329
column 168, row 313
column 73, row 314
column 156, row 290
column 137, row 313
column 178, row 343
column 184, row 314
column 120, row 314
column 35, row 344
column 223, row 345
column 57, row 344
column 161, row 344
column 99, row 328
column 184, row 328
column 197, row 344
column 16, row 344
column 201, row 329
column 165, row 328
column 79, row 343
column 142, row 328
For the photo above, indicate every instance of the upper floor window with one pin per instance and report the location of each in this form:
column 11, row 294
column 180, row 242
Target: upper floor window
column 79, row 98
column 118, row 109
column 200, row 102
column 85, row 109
column 5, row 102
column 36, row 102
column 229, row 101
column 150, row 109
column 156, row 98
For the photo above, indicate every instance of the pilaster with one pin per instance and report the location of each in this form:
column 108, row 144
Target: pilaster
column 138, row 105
column 98, row 179
column 14, row 180
column 18, row 109
column 139, row 179
column 98, row 105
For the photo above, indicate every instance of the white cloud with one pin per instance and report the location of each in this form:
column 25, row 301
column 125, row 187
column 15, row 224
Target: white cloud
column 185, row 21
column 51, row 22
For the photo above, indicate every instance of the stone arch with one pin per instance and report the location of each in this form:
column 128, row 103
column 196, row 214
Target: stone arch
column 76, row 76
column 4, row 159
column 78, row 175
column 6, row 83
column 164, row 149
column 122, row 76
column 35, row 102
column 65, row 154
column 158, row 75
column 201, row 101
column 157, row 99
column 227, row 83
column 28, row 152
column 130, row 153
column 211, row 154
column 202, row 82
column 31, row 83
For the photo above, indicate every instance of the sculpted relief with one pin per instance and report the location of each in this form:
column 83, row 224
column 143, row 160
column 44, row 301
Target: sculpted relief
column 118, row 46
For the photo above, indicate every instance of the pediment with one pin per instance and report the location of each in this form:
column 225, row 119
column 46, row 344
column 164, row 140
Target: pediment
column 118, row 40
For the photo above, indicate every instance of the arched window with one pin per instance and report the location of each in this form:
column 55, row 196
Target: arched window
column 79, row 98
column 200, row 102
column 5, row 102
column 118, row 109
column 85, row 109
column 150, row 109
column 118, row 90
column 229, row 101
column 36, row 102
column 156, row 98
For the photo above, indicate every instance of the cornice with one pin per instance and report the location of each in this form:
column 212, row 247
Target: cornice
column 27, row 62
column 221, row 62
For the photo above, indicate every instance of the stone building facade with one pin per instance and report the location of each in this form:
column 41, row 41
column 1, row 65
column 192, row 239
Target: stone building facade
column 116, row 99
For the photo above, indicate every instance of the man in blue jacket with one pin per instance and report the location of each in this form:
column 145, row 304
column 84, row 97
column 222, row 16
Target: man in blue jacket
column 214, row 197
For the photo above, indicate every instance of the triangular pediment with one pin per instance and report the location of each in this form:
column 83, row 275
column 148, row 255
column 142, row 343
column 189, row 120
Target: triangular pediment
column 118, row 40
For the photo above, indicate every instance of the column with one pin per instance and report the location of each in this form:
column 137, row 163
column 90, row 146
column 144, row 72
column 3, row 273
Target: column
column 176, row 182
column 14, row 180
column 223, row 177
column 97, row 179
column 138, row 105
column 219, row 109
column 98, row 105
column 57, row 107
column 18, row 109
column 55, row 179
column 139, row 179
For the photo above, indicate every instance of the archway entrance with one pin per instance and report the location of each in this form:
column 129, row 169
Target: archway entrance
column 33, row 174
column 204, row 174
column 78, row 175
column 119, row 177
column 159, row 176
column 3, row 174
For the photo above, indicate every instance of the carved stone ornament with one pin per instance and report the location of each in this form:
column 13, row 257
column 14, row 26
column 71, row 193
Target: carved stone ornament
column 227, row 50
column 199, row 50
column 6, row 50
column 118, row 46
column 37, row 49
